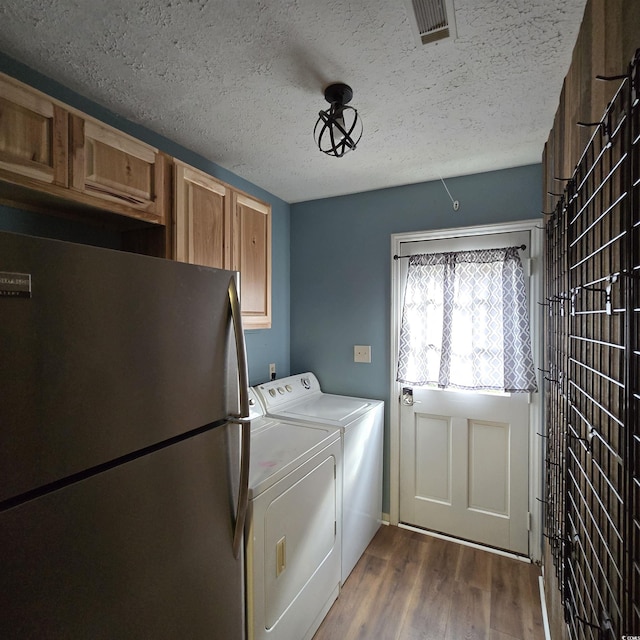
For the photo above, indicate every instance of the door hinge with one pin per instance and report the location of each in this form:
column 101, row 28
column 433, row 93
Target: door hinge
column 528, row 520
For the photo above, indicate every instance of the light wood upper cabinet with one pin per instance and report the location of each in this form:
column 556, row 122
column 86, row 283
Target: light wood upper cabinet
column 33, row 135
column 218, row 226
column 56, row 159
column 111, row 166
column 251, row 256
column 202, row 217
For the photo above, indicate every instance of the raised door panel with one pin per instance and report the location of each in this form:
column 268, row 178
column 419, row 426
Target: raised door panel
column 33, row 135
column 202, row 218
column 433, row 457
column 489, row 483
column 113, row 167
column 252, row 257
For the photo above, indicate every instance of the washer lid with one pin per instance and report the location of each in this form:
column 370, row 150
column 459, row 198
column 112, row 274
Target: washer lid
column 277, row 448
column 326, row 408
column 299, row 399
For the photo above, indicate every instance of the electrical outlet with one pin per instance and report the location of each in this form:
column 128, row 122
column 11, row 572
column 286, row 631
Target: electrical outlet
column 361, row 353
column 272, row 371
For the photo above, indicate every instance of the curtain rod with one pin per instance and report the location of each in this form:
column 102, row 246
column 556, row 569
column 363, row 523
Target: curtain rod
column 522, row 247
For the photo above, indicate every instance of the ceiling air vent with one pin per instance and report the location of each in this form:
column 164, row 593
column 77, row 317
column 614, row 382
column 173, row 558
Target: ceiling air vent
column 432, row 20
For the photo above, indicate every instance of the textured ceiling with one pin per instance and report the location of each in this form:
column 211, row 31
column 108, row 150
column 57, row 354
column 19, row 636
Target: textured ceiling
column 241, row 83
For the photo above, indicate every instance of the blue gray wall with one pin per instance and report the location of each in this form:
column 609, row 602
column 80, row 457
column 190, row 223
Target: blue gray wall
column 263, row 346
column 341, row 269
column 331, row 257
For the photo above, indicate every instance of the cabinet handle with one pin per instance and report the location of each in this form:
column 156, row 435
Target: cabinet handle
column 281, row 555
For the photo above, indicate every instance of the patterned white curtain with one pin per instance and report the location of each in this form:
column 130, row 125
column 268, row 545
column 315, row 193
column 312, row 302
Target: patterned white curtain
column 465, row 322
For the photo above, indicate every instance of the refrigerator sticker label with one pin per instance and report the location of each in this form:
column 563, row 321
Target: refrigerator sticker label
column 15, row 285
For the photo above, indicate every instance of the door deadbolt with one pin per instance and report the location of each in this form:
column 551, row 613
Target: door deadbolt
column 407, row 396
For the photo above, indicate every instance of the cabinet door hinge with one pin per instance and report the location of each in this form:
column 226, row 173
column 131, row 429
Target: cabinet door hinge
column 528, row 520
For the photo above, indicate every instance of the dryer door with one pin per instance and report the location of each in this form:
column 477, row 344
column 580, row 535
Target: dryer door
column 295, row 549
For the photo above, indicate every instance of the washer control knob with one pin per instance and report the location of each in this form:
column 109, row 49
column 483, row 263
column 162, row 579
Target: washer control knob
column 272, row 393
column 281, row 391
column 289, row 388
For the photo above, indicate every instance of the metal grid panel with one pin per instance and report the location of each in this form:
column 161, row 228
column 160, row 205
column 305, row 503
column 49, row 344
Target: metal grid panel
column 556, row 331
column 595, row 446
column 593, row 369
column 633, row 530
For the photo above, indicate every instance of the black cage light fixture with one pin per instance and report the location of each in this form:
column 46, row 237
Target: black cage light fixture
column 338, row 129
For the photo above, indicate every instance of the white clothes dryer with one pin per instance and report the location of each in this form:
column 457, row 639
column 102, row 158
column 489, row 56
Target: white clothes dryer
column 299, row 399
column 293, row 528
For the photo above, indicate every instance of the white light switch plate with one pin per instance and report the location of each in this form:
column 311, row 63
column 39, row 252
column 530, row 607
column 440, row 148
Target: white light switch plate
column 361, row 353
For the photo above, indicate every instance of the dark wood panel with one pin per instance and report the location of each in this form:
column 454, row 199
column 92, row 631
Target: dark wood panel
column 588, row 463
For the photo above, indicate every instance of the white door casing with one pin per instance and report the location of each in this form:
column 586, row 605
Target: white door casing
column 470, row 462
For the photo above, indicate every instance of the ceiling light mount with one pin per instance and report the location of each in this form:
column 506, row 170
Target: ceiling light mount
column 338, row 93
column 338, row 129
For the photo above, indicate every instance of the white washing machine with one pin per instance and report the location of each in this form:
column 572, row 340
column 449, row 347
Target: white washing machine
column 300, row 400
column 293, row 529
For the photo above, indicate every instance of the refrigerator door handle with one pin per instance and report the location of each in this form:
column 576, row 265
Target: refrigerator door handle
column 243, row 491
column 241, row 350
column 242, row 418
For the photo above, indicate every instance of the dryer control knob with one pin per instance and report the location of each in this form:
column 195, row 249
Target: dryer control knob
column 272, row 393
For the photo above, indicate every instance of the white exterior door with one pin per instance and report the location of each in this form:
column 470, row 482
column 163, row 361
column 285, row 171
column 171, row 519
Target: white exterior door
column 464, row 456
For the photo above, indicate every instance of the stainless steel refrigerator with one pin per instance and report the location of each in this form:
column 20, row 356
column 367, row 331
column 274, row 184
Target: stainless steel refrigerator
column 124, row 454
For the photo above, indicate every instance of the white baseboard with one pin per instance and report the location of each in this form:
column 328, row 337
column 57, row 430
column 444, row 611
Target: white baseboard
column 543, row 605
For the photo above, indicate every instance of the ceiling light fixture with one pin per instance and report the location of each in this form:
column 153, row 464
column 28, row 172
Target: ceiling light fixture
column 338, row 129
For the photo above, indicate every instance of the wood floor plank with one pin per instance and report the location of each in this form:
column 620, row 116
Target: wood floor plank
column 442, row 556
column 393, row 594
column 506, row 605
column 496, row 635
column 469, row 619
column 513, row 601
column 354, row 599
column 428, row 610
column 535, row 608
column 385, row 541
column 409, row 586
column 474, row 567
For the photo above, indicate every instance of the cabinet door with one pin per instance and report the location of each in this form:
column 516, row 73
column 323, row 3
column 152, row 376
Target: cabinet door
column 202, row 218
column 116, row 170
column 252, row 257
column 33, row 135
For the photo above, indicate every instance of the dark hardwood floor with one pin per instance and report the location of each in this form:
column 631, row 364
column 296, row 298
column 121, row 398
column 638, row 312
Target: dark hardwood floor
column 409, row 586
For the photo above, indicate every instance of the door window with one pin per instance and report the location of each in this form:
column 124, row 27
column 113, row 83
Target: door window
column 465, row 322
